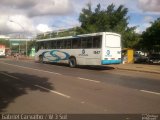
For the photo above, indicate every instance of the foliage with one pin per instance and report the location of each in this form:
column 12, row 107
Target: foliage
column 109, row 20
column 61, row 33
column 151, row 37
column 31, row 44
column 4, row 42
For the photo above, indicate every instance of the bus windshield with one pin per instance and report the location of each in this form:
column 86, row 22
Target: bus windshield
column 113, row 41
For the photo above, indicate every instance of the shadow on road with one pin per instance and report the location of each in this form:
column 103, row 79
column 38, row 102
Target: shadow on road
column 84, row 66
column 98, row 68
column 11, row 87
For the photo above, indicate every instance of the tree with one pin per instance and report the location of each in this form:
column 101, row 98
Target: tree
column 4, row 42
column 151, row 37
column 110, row 20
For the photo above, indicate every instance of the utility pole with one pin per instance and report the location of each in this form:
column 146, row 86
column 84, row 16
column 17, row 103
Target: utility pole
column 24, row 34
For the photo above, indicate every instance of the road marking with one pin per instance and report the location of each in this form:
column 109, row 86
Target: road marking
column 89, row 80
column 9, row 75
column 58, row 73
column 51, row 72
column 61, row 94
column 82, row 102
column 33, row 69
column 146, row 91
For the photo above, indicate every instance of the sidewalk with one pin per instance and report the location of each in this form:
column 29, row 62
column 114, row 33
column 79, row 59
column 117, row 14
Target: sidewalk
column 21, row 58
column 26, row 58
column 138, row 67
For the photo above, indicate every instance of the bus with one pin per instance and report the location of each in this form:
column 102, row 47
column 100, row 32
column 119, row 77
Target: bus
column 2, row 50
column 101, row 48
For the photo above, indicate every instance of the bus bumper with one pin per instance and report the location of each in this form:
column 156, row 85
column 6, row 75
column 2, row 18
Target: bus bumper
column 107, row 62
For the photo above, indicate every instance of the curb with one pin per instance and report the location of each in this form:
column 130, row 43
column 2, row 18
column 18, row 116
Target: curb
column 138, row 70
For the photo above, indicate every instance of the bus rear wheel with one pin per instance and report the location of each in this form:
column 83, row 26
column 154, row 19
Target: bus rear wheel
column 72, row 62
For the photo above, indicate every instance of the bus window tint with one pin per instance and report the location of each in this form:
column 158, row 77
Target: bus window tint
column 67, row 44
column 87, row 42
column 54, row 44
column 45, row 44
column 41, row 45
column 37, row 46
column 60, row 44
column 76, row 43
column 48, row 45
column 97, row 41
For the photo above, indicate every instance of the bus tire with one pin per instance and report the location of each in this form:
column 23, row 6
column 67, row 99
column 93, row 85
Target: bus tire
column 41, row 59
column 72, row 62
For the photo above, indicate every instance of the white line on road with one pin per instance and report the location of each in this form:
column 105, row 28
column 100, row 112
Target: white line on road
column 33, row 69
column 51, row 72
column 146, row 91
column 89, row 80
column 9, row 75
column 61, row 94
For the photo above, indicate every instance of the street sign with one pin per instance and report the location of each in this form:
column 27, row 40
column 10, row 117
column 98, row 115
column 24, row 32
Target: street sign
column 15, row 43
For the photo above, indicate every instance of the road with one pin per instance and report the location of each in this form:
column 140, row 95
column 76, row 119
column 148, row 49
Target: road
column 28, row 87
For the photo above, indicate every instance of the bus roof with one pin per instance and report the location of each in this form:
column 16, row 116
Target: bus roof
column 77, row 36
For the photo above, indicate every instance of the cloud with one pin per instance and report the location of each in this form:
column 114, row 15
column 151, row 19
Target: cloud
column 51, row 7
column 45, row 15
column 148, row 18
column 24, row 12
column 43, row 28
column 20, row 22
column 149, row 5
column 4, row 36
column 18, row 3
column 79, row 4
column 65, row 22
column 142, row 23
column 34, row 8
column 16, row 24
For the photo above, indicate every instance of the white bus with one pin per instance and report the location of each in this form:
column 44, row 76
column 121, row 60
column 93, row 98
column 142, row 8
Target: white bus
column 88, row 49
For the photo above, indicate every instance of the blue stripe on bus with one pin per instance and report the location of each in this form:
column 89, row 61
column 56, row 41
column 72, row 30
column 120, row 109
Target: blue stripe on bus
column 53, row 53
column 104, row 62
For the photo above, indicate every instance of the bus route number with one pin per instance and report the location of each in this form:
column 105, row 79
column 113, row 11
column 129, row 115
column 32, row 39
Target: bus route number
column 96, row 52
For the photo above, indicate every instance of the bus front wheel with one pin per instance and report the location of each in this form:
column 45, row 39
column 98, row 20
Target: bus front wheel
column 40, row 59
column 72, row 62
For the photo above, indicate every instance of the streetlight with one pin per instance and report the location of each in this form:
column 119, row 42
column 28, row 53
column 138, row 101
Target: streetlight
column 23, row 31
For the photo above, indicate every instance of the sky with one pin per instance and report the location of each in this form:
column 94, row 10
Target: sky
column 31, row 17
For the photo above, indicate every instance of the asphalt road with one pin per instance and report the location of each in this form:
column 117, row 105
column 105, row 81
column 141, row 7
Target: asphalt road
column 28, row 87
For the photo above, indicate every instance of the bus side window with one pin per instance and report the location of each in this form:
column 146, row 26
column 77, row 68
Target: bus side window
column 41, row 46
column 37, row 46
column 44, row 45
column 54, row 44
column 48, row 44
column 97, row 40
column 60, row 44
column 76, row 43
column 87, row 42
column 67, row 44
